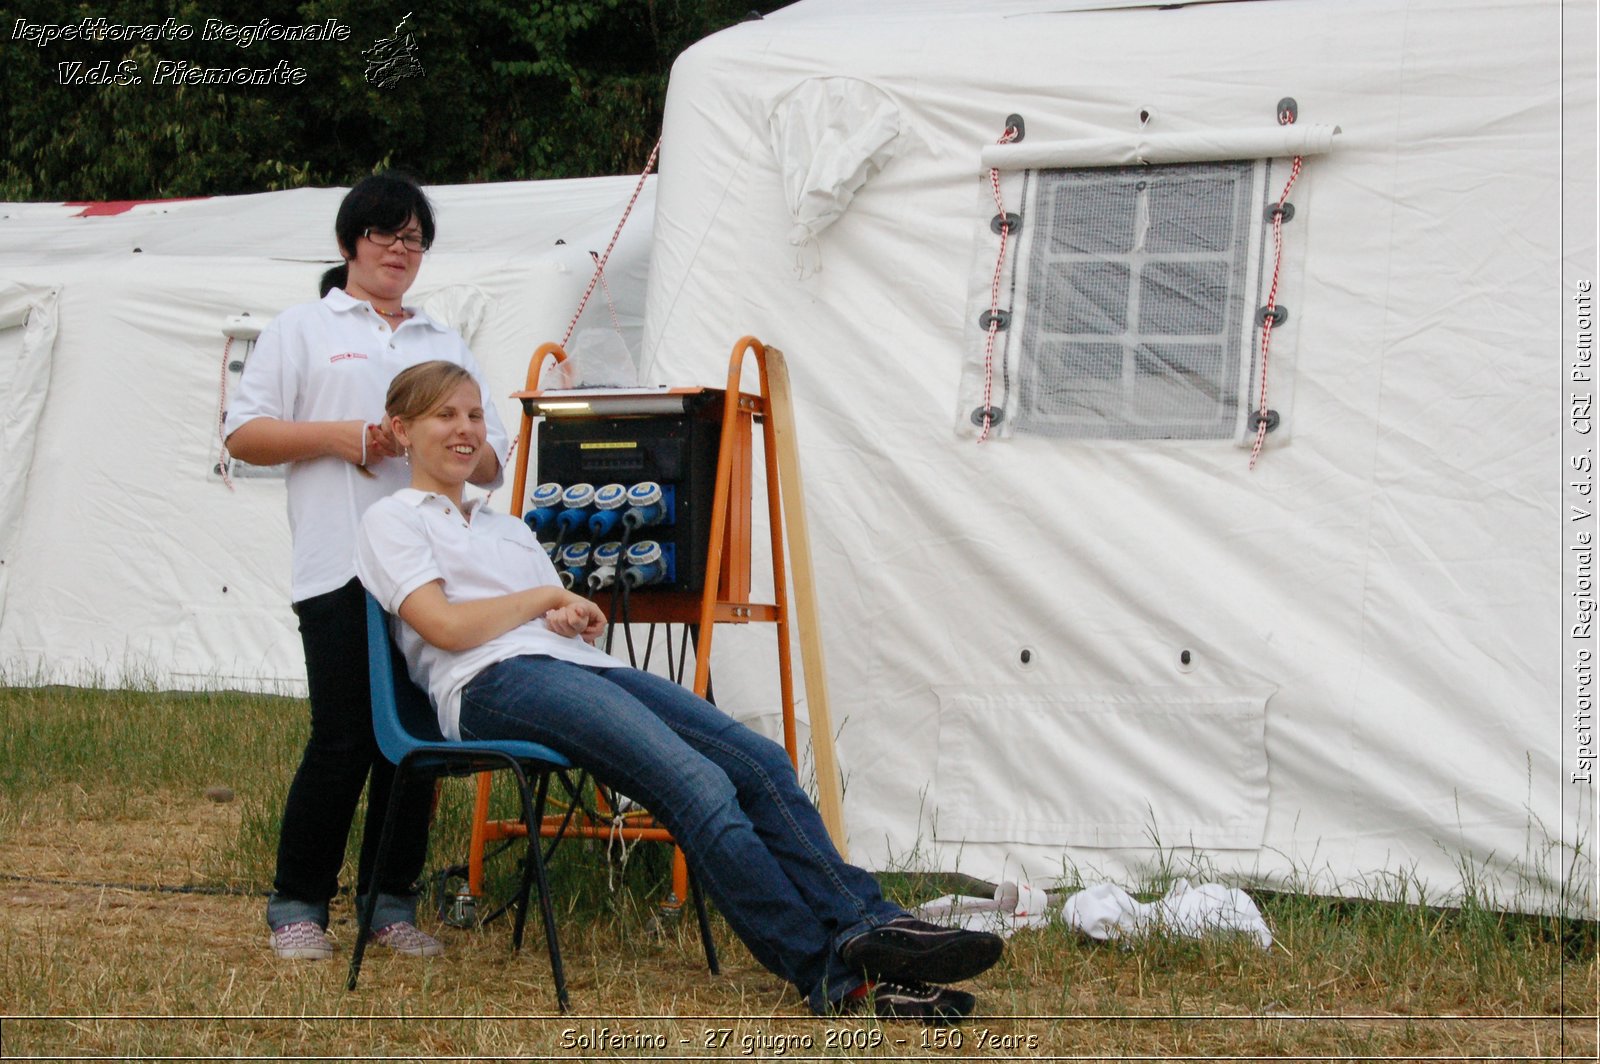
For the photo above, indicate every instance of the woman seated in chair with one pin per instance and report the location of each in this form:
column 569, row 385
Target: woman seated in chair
column 505, row 652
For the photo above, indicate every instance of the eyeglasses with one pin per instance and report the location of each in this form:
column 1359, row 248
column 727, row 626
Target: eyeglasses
column 385, row 239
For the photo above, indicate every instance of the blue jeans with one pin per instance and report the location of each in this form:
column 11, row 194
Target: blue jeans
column 728, row 795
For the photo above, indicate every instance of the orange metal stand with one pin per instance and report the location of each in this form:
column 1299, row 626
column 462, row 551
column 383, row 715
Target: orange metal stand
column 725, row 597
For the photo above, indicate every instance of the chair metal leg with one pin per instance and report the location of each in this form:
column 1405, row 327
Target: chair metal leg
column 705, row 924
column 533, row 875
column 370, row 905
column 520, row 920
column 546, row 910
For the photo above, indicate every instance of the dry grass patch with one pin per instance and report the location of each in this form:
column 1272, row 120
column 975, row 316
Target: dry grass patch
column 97, row 959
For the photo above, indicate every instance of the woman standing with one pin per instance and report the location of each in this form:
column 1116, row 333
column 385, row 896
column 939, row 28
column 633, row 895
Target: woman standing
column 312, row 395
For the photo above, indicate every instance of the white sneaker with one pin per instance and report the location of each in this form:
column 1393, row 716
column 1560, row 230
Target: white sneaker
column 402, row 936
column 303, row 940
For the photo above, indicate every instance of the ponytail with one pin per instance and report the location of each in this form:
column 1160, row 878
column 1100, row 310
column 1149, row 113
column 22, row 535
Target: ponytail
column 337, row 277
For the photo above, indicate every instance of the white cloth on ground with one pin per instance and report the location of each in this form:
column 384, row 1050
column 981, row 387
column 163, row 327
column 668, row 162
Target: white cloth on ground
column 1105, row 911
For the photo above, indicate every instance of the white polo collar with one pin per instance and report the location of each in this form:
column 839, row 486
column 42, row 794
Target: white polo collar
column 340, row 301
column 415, row 497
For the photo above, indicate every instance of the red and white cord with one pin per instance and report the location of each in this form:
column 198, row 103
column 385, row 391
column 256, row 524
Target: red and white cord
column 600, row 269
column 1269, row 315
column 994, row 292
column 611, row 304
column 600, row 264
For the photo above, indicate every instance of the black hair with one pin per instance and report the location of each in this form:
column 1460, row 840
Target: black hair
column 382, row 201
column 337, row 277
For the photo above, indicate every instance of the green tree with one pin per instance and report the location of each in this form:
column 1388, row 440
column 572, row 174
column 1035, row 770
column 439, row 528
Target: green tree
column 502, row 90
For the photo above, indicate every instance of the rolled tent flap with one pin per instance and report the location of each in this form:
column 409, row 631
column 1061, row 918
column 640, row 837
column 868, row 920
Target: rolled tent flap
column 1149, row 149
column 830, row 136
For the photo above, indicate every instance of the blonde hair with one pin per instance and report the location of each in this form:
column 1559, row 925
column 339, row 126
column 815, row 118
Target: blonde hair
column 417, row 390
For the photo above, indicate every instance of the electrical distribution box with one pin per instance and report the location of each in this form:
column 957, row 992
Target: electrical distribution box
column 677, row 450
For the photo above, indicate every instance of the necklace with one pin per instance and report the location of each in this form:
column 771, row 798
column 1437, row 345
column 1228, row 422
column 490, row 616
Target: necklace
column 401, row 313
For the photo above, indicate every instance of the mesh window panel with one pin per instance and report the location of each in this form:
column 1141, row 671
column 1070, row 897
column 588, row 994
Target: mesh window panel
column 1137, row 313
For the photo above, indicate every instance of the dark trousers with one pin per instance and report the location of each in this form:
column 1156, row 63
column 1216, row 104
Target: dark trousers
column 338, row 759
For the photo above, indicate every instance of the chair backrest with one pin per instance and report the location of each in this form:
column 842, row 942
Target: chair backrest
column 402, row 717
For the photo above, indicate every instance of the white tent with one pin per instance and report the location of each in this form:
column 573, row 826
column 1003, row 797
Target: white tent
column 122, row 553
column 1099, row 640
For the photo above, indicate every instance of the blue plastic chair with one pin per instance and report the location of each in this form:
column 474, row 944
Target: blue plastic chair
column 407, row 731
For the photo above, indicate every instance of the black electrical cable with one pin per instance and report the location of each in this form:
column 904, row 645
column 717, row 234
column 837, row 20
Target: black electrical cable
column 627, row 629
column 616, row 581
column 561, row 537
column 574, row 791
column 649, row 645
column 683, row 655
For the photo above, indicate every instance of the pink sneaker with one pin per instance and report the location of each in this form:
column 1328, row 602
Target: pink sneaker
column 405, row 937
column 304, row 940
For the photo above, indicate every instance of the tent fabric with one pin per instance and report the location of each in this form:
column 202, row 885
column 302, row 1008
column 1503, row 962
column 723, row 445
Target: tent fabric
column 27, row 344
column 1390, row 578
column 1206, row 746
column 129, row 560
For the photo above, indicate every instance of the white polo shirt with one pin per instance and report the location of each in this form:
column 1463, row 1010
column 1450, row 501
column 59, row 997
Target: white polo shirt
column 333, row 360
column 414, row 537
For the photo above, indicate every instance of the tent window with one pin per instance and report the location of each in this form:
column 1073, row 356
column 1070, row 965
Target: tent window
column 1139, row 311
column 239, row 354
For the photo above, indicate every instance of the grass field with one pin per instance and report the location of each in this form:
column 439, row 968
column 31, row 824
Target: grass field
column 131, row 926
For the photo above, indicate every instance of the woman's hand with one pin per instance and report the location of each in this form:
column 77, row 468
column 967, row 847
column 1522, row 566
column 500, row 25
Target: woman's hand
column 577, row 616
column 381, row 443
column 361, row 443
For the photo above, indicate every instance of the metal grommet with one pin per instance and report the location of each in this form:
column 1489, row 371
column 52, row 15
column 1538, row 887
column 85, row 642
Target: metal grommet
column 1288, row 111
column 1270, row 418
column 1015, row 122
column 1278, row 313
column 1000, row 319
column 1012, row 222
column 995, row 415
column 1287, row 211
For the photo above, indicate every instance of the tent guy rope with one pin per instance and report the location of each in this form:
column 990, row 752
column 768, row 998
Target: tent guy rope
column 1269, row 314
column 1007, row 137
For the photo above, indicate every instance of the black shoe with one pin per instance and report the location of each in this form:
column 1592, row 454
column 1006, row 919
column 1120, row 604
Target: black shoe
column 909, row 1001
column 910, row 950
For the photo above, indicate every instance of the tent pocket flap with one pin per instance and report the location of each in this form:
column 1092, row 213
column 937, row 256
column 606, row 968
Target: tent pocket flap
column 1103, row 766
